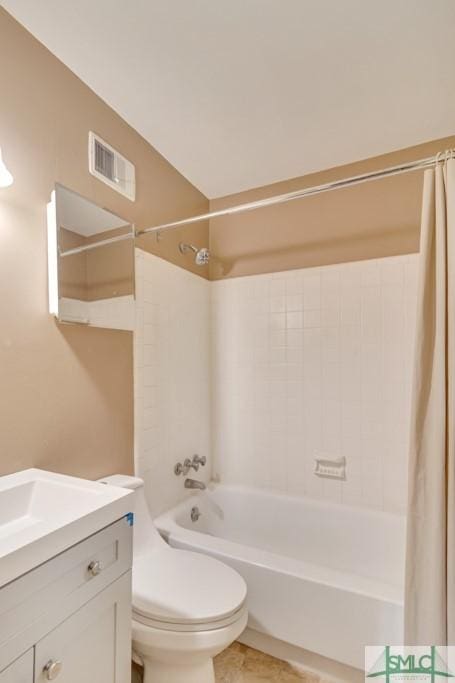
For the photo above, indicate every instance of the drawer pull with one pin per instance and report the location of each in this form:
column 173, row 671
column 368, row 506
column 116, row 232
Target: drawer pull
column 52, row 669
column 94, row 568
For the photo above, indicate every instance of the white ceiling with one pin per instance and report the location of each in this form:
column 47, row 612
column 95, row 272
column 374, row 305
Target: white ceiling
column 241, row 93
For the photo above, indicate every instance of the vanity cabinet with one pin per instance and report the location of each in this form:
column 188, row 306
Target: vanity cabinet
column 69, row 619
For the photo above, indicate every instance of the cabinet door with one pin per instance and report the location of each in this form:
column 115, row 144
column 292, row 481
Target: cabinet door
column 94, row 644
column 21, row 671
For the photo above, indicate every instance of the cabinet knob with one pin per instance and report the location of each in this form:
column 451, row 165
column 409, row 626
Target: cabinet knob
column 94, row 568
column 52, row 669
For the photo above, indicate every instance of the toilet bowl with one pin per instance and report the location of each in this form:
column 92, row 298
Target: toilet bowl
column 187, row 607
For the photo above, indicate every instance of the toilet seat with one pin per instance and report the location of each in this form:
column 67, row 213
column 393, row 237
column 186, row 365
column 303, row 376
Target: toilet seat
column 146, row 620
column 180, row 590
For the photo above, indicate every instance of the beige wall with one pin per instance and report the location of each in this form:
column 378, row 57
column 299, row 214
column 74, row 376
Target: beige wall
column 66, row 396
column 72, row 271
column 101, row 273
column 362, row 222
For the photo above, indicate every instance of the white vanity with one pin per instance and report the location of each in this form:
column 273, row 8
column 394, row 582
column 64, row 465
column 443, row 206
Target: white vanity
column 65, row 580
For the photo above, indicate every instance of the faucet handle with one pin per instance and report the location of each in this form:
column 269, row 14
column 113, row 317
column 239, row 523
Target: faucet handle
column 191, row 464
column 183, row 469
column 199, row 460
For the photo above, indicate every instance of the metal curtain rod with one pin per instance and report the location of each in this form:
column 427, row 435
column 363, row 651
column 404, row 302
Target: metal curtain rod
column 299, row 194
column 95, row 245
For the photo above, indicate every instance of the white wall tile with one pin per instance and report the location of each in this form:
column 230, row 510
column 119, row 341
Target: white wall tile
column 327, row 370
column 303, row 363
column 172, row 376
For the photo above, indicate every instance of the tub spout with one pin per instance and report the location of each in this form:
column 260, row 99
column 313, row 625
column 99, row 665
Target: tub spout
column 194, row 484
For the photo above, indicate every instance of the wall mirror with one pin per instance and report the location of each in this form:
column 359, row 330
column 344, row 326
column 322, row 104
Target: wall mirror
column 91, row 263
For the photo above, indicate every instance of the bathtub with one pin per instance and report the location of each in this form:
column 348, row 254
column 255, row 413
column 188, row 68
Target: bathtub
column 324, row 577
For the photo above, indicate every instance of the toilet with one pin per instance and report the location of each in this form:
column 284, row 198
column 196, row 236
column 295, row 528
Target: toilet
column 187, row 607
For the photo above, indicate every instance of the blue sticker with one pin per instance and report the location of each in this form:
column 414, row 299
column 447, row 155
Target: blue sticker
column 130, row 518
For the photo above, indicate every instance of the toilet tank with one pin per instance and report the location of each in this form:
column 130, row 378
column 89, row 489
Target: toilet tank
column 146, row 537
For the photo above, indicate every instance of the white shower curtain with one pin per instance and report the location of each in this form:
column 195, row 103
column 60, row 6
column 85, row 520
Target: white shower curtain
column 430, row 560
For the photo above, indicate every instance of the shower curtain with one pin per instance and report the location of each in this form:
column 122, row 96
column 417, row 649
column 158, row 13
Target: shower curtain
column 430, row 559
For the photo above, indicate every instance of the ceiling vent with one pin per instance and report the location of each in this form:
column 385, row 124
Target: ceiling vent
column 106, row 164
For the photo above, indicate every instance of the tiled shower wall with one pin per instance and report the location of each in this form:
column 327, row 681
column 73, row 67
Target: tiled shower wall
column 316, row 363
column 263, row 374
column 172, row 376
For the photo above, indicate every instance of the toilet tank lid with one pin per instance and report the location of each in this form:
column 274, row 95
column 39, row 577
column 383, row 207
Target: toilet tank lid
column 123, row 481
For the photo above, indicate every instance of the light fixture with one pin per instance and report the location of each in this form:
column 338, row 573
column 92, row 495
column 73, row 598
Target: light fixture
column 6, row 179
column 52, row 255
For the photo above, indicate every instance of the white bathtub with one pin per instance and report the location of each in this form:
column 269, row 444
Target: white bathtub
column 327, row 578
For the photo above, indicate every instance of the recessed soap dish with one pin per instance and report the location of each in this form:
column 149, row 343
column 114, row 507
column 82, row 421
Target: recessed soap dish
column 331, row 469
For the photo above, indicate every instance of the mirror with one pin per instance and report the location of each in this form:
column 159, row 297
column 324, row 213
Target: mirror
column 91, row 263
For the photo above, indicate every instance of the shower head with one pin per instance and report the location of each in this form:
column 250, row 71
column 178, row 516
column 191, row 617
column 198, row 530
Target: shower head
column 201, row 256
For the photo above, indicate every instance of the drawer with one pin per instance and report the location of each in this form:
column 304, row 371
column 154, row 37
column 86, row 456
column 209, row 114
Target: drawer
column 94, row 644
column 20, row 671
column 33, row 604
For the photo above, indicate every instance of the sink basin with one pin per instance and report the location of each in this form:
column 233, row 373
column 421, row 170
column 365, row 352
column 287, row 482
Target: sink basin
column 43, row 513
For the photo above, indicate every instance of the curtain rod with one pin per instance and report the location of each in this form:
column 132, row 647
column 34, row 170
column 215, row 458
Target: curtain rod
column 95, row 245
column 299, row 194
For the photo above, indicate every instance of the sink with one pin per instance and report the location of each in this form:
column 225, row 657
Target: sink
column 44, row 513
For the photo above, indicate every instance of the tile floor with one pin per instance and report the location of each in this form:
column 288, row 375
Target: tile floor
column 242, row 664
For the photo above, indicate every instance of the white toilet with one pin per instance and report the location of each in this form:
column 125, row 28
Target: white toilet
column 187, row 607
